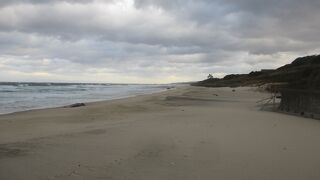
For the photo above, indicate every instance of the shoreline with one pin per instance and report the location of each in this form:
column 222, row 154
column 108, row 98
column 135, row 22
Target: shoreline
column 85, row 102
column 8, row 118
column 184, row 133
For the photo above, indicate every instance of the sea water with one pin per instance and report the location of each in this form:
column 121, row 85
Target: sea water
column 17, row 96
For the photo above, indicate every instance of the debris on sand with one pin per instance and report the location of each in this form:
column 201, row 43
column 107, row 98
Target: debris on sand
column 75, row 105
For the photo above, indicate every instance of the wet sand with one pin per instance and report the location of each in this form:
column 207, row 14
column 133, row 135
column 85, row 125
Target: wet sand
column 188, row 133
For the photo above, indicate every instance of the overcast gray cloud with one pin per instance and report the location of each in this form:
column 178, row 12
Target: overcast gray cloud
column 149, row 41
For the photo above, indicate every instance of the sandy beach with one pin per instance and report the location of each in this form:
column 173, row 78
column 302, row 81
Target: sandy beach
column 188, row 133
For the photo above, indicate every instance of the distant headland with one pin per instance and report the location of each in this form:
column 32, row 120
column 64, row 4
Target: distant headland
column 302, row 73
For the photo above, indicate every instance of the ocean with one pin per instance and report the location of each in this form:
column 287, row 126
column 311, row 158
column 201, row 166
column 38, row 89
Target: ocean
column 22, row 96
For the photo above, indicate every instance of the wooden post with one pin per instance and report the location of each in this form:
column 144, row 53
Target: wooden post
column 274, row 101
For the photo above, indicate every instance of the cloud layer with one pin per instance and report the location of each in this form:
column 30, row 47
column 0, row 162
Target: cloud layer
column 151, row 41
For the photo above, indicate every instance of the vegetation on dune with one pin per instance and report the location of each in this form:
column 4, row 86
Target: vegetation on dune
column 302, row 73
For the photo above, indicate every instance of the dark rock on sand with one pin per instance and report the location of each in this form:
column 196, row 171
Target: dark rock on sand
column 75, row 105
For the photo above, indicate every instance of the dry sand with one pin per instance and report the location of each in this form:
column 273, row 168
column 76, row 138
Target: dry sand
column 189, row 133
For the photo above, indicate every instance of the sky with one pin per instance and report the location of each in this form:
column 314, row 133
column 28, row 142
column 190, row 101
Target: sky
column 151, row 41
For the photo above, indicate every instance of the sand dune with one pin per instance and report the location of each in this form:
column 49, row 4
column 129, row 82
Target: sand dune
column 187, row 133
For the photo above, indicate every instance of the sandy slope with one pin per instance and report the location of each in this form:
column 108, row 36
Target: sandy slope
column 189, row 133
